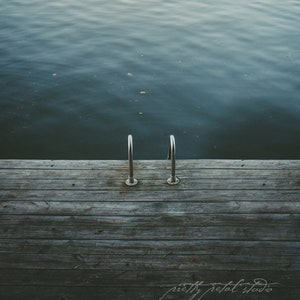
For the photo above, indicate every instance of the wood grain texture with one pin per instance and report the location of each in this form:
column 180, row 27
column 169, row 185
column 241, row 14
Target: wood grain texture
column 74, row 230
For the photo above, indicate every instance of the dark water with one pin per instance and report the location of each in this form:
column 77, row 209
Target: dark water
column 76, row 77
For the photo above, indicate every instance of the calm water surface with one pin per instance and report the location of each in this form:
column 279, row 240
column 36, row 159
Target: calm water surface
column 76, row 77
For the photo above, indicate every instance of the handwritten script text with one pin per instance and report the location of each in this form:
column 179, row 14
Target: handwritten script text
column 200, row 289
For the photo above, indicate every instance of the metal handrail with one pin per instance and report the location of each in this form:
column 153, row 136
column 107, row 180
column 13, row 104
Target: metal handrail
column 131, row 181
column 172, row 180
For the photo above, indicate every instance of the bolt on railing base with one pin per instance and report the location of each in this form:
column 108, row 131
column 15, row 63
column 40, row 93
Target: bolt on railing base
column 131, row 182
column 172, row 181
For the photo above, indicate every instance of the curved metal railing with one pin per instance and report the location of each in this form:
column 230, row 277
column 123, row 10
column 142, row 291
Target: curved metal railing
column 131, row 181
column 172, row 180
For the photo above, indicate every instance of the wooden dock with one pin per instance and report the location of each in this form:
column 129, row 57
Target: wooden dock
column 73, row 230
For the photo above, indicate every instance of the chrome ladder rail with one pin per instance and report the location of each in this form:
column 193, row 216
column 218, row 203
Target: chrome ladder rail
column 173, row 179
column 131, row 181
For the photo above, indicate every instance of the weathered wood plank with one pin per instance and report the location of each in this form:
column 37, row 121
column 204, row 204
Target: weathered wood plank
column 290, row 183
column 199, row 220
column 150, row 164
column 90, row 278
column 165, row 195
column 121, row 173
column 129, row 292
column 154, row 232
column 119, row 208
column 147, row 261
column 143, row 247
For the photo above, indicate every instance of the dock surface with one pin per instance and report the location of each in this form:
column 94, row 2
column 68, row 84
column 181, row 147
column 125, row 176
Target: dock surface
column 73, row 230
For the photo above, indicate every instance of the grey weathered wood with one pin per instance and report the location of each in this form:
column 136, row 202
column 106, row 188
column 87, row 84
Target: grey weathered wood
column 73, row 229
